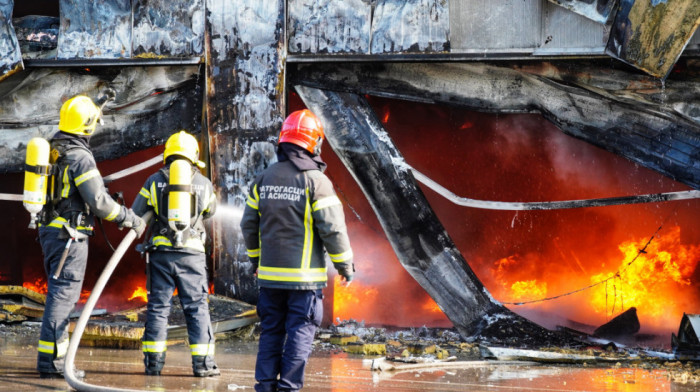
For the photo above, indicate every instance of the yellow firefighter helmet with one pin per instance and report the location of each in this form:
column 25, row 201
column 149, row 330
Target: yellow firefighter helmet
column 79, row 116
column 184, row 145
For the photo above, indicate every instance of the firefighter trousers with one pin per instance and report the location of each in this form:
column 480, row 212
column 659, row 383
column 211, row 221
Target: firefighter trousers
column 62, row 294
column 187, row 272
column 288, row 322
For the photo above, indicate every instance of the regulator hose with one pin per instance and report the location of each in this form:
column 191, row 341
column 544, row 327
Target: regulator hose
column 69, row 367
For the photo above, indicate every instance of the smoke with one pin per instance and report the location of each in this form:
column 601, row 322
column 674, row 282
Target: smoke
column 516, row 157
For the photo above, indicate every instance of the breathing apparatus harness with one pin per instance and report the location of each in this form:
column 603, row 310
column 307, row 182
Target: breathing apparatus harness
column 182, row 219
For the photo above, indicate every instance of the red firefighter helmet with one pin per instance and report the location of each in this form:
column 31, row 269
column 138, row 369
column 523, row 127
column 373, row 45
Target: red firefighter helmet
column 303, row 129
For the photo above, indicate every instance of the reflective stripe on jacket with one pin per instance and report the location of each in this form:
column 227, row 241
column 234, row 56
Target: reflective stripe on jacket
column 152, row 196
column 289, row 218
column 80, row 183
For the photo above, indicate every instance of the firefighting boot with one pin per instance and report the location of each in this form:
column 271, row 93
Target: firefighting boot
column 204, row 366
column 154, row 363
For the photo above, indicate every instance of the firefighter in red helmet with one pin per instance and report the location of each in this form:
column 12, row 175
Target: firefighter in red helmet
column 292, row 215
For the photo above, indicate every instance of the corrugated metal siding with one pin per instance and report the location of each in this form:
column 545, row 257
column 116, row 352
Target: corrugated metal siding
column 491, row 28
column 568, row 32
column 329, row 26
column 495, row 26
column 400, row 26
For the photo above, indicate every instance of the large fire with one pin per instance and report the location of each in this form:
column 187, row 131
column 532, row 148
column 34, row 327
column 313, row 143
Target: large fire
column 524, row 256
column 653, row 276
column 656, row 279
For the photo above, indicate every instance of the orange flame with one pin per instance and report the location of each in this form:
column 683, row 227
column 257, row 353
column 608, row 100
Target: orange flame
column 140, row 293
column 655, row 280
column 431, row 306
column 528, row 290
column 39, row 285
column 347, row 300
column 84, row 295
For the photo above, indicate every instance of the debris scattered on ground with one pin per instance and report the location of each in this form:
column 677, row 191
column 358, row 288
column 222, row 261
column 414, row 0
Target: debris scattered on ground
column 389, row 349
column 624, row 325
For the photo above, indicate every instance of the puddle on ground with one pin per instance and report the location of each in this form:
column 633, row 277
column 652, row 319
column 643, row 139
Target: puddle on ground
column 328, row 370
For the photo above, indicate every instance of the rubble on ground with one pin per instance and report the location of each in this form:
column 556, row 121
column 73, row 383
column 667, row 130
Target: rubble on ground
column 387, row 349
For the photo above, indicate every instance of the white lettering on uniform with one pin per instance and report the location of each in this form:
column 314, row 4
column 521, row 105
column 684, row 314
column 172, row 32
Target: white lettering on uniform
column 281, row 192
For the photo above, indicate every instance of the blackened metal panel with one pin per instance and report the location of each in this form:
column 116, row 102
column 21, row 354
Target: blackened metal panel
column 651, row 35
column 37, row 36
column 421, row 243
column 151, row 103
column 565, row 32
column 596, row 10
column 410, row 26
column 95, row 29
column 495, row 26
column 168, row 28
column 653, row 134
column 329, row 26
column 11, row 60
column 244, row 109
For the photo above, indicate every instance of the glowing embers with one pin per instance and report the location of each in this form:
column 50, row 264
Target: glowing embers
column 39, row 285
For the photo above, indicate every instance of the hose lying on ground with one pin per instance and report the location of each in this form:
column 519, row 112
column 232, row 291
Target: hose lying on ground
column 69, row 367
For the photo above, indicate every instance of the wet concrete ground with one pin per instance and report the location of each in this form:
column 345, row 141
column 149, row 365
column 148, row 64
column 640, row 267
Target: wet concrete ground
column 327, row 371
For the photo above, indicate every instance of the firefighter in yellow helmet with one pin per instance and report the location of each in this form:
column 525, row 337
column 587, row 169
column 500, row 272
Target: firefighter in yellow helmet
column 181, row 198
column 66, row 223
column 292, row 215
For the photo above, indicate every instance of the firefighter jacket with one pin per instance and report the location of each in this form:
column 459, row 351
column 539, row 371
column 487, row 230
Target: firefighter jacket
column 154, row 195
column 290, row 216
column 78, row 191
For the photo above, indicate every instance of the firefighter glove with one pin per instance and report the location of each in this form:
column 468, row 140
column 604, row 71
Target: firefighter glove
column 347, row 272
column 133, row 222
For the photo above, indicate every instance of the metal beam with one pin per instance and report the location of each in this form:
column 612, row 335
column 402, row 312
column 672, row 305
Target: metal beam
column 421, row 243
column 244, row 112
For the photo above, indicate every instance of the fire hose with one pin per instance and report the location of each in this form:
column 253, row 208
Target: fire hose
column 69, row 367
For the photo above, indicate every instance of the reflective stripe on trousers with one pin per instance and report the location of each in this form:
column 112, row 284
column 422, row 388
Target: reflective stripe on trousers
column 62, row 294
column 188, row 273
